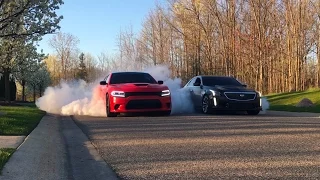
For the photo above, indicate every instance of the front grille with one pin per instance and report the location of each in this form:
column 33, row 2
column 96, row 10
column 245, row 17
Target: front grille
column 242, row 105
column 143, row 104
column 127, row 94
column 240, row 96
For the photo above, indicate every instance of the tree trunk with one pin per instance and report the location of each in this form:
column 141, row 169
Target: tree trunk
column 34, row 93
column 318, row 58
column 23, row 90
column 40, row 90
column 6, row 75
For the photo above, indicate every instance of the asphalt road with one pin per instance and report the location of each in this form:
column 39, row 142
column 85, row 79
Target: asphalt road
column 208, row 147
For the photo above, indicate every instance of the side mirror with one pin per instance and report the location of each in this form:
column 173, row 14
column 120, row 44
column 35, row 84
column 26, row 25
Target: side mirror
column 103, row 83
column 160, row 82
column 244, row 85
column 196, row 84
column 201, row 86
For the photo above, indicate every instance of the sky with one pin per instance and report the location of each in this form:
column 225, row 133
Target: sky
column 97, row 23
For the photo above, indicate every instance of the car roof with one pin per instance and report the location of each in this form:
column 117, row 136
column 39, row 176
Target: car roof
column 129, row 72
column 214, row 76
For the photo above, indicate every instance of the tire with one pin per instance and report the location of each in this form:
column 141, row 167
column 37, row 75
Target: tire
column 162, row 113
column 167, row 113
column 205, row 105
column 109, row 114
column 253, row 112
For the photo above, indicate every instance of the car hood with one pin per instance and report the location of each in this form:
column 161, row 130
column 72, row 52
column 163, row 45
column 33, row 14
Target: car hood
column 141, row 87
column 231, row 88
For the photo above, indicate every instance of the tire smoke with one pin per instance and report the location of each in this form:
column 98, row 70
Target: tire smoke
column 265, row 105
column 80, row 98
column 180, row 99
column 73, row 98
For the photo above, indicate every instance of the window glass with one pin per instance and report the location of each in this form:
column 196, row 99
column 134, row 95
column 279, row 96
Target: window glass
column 190, row 83
column 220, row 81
column 128, row 77
column 198, row 80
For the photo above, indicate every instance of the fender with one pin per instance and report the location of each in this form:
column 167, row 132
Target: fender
column 205, row 92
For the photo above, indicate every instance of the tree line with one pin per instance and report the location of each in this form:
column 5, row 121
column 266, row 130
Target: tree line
column 271, row 45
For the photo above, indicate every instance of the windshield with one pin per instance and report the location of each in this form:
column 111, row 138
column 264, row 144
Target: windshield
column 220, row 81
column 119, row 78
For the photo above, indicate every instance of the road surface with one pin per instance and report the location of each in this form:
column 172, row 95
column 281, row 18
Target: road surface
column 207, row 147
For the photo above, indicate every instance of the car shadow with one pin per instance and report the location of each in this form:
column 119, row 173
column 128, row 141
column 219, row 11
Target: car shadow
column 158, row 114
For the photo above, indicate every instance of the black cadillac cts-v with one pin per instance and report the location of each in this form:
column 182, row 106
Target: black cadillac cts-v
column 215, row 93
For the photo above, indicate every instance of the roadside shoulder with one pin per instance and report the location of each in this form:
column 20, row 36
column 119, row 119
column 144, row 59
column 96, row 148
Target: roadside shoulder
column 42, row 155
column 293, row 114
column 86, row 162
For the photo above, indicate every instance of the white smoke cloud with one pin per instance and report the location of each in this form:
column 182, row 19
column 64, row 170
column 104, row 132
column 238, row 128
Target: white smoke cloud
column 181, row 101
column 73, row 98
column 265, row 105
column 93, row 105
column 80, row 98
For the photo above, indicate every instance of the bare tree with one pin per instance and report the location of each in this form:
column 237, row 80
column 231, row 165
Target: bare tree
column 65, row 45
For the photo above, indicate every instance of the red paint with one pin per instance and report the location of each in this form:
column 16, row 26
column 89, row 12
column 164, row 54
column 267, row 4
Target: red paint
column 141, row 88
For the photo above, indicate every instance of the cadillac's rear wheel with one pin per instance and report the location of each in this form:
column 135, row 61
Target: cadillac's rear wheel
column 206, row 109
column 253, row 112
column 109, row 114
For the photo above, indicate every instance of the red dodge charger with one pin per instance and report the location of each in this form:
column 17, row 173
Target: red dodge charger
column 127, row 92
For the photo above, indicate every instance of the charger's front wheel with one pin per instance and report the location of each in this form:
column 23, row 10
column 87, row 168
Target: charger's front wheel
column 109, row 114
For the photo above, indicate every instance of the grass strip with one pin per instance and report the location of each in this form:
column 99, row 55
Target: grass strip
column 288, row 101
column 5, row 154
column 19, row 120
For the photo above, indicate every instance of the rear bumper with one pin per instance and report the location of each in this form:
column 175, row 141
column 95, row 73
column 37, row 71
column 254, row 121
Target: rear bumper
column 222, row 103
column 140, row 104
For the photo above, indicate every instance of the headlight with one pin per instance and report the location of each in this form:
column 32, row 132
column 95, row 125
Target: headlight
column 215, row 93
column 165, row 93
column 117, row 94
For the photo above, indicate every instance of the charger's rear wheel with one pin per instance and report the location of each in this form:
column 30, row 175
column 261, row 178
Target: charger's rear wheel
column 109, row 114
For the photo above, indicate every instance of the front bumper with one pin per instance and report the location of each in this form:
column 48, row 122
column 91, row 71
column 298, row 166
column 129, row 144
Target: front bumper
column 222, row 103
column 140, row 104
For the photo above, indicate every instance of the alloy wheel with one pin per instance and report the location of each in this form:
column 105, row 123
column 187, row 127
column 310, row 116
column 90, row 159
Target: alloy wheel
column 205, row 104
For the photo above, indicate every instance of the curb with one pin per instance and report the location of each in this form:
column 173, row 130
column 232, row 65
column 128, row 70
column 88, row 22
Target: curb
column 85, row 160
column 56, row 149
column 97, row 154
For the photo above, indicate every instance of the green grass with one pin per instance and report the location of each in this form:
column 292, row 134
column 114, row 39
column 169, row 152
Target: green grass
column 19, row 120
column 288, row 101
column 5, row 154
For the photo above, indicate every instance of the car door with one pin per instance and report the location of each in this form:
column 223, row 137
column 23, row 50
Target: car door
column 189, row 87
column 197, row 91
